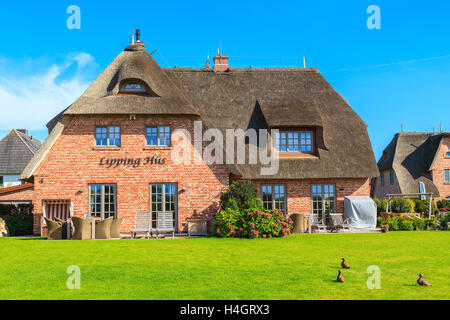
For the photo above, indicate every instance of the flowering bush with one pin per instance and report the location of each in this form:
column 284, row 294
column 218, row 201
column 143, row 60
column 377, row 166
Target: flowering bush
column 252, row 223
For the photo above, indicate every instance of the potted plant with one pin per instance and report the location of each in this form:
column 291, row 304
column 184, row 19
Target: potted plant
column 384, row 226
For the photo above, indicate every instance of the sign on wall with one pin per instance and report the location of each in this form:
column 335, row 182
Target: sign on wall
column 131, row 162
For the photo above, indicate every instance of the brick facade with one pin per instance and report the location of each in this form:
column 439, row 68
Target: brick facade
column 442, row 162
column 298, row 192
column 73, row 163
column 18, row 195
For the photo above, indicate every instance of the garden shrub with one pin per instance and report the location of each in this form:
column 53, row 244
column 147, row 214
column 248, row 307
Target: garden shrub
column 252, row 223
column 242, row 193
column 418, row 224
column 421, row 206
column 392, row 223
column 405, row 224
column 444, row 219
column 400, row 205
column 381, row 205
column 441, row 204
column 18, row 219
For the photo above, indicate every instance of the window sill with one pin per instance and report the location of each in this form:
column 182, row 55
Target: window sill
column 156, row 148
column 106, row 148
column 296, row 155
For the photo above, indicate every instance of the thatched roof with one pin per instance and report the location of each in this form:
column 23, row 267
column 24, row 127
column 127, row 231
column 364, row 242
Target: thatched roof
column 133, row 63
column 411, row 155
column 16, row 150
column 242, row 98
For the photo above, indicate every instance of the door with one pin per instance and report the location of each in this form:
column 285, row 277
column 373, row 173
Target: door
column 163, row 198
column 323, row 198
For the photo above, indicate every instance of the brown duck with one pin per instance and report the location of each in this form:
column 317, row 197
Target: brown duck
column 344, row 264
column 340, row 277
column 422, row 282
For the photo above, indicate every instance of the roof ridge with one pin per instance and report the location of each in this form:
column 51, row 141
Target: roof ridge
column 24, row 142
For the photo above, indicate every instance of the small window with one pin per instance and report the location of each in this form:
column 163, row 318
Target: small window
column 382, row 179
column 102, row 200
column 133, row 87
column 158, row 136
column 107, row 136
column 447, row 175
column 274, row 197
column 392, row 176
column 447, row 155
column 294, row 142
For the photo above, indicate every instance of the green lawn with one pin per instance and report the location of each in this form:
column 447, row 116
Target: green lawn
column 298, row 267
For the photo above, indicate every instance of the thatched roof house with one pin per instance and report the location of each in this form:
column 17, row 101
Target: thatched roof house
column 17, row 148
column 128, row 115
column 411, row 159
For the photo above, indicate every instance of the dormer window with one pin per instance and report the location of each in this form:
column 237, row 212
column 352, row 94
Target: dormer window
column 294, row 142
column 133, row 87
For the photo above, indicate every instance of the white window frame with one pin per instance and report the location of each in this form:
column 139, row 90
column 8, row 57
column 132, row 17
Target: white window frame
column 299, row 140
column 158, row 139
column 109, row 136
column 274, row 202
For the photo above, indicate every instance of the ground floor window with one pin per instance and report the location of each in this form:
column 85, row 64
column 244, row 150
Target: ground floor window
column 102, row 200
column 323, row 198
column 163, row 198
column 274, row 197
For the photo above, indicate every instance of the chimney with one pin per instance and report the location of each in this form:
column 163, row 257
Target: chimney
column 221, row 62
column 442, row 128
column 207, row 63
column 138, row 39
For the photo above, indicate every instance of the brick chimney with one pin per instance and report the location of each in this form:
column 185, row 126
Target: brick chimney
column 221, row 62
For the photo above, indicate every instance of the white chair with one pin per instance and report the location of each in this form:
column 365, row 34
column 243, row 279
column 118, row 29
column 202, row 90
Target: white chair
column 143, row 224
column 339, row 222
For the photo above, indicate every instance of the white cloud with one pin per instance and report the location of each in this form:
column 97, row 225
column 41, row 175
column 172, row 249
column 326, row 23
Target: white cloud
column 29, row 99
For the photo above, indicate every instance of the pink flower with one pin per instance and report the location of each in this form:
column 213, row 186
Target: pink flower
column 252, row 225
column 220, row 222
column 275, row 225
column 230, row 228
column 243, row 220
column 218, row 230
column 278, row 221
column 264, row 235
column 241, row 229
column 284, row 230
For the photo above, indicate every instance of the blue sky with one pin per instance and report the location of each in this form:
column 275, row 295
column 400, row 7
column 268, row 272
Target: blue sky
column 399, row 74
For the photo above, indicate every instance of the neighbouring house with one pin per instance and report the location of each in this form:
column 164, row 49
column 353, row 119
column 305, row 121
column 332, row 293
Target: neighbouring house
column 16, row 150
column 415, row 162
column 115, row 151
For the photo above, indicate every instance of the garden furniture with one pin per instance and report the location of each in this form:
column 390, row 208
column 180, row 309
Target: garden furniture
column 82, row 229
column 115, row 228
column 103, row 228
column 54, row 229
column 339, row 223
column 143, row 224
column 165, row 223
column 316, row 223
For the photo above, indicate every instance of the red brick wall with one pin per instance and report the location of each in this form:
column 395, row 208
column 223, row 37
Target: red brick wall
column 441, row 163
column 299, row 191
column 73, row 163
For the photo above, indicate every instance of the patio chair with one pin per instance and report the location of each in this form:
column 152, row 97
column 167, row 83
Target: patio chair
column 103, row 228
column 115, row 228
column 165, row 223
column 317, row 223
column 143, row 224
column 339, row 222
column 82, row 229
column 54, row 229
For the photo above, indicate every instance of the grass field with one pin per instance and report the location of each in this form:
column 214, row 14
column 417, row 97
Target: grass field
column 298, row 267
